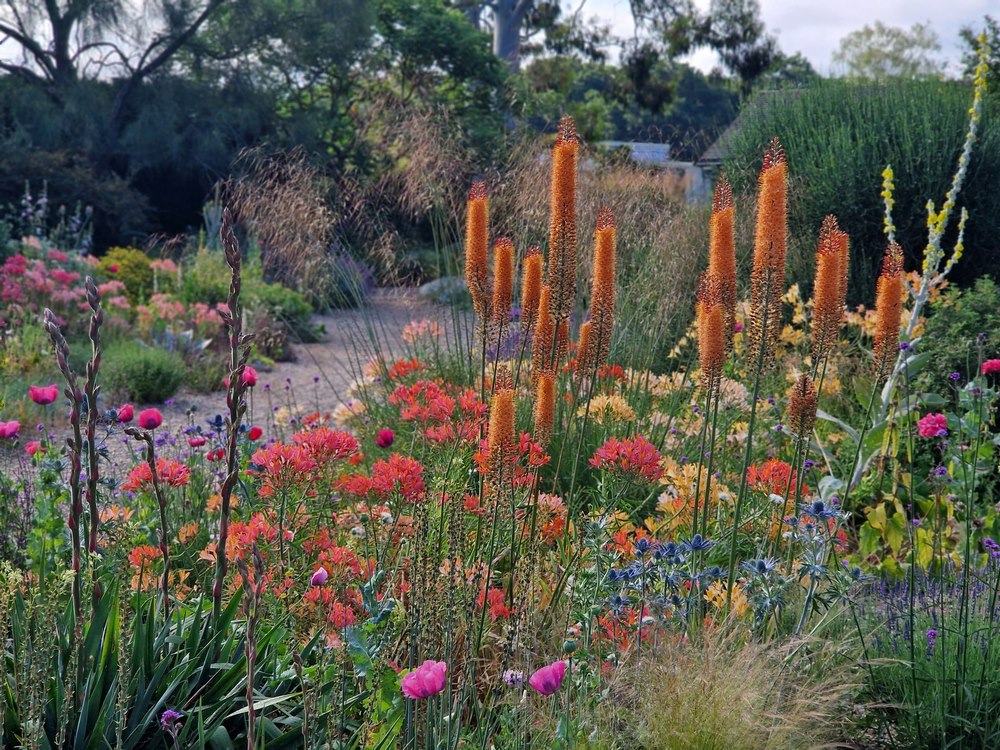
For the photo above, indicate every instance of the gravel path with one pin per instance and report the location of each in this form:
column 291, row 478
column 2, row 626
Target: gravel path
column 318, row 379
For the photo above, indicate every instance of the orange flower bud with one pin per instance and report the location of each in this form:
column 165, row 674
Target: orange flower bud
column 888, row 311
column 476, row 232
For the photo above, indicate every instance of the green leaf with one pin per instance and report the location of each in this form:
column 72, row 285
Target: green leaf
column 868, row 539
column 840, row 423
column 895, row 532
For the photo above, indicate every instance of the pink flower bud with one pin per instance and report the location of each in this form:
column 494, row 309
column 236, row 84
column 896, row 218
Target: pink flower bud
column 43, row 395
column 384, row 438
column 150, row 419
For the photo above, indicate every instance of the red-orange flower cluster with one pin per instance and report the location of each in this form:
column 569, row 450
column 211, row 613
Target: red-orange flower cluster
column 635, row 457
column 171, row 473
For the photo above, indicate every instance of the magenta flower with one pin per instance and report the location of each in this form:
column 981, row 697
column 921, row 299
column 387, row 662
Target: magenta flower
column 548, row 680
column 426, row 680
column 43, row 395
column 991, row 366
column 319, row 577
column 150, row 419
column 35, row 446
column 9, row 429
column 249, row 378
column 125, row 414
column 384, row 438
column 933, row 425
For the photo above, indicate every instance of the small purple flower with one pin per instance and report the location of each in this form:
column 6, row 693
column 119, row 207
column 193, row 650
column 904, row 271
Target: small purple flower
column 170, row 721
column 513, row 678
column 916, row 522
column 932, row 635
column 904, row 346
column 955, row 376
column 808, row 464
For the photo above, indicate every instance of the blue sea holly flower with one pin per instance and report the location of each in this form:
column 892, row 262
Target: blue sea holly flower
column 762, row 566
column 697, row 543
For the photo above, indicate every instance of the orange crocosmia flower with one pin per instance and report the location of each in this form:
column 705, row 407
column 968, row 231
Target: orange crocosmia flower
column 116, row 513
column 496, row 602
column 325, row 445
column 187, row 532
column 171, row 473
column 143, row 556
column 774, row 477
column 403, row 367
column 635, row 457
column 282, row 466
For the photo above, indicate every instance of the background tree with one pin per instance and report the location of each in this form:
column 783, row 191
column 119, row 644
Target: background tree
column 970, row 56
column 879, row 52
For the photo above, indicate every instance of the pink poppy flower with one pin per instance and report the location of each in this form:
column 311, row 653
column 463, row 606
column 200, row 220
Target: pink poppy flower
column 991, row 366
column 43, row 395
column 426, row 680
column 150, row 419
column 933, row 425
column 249, row 378
column 9, row 429
column 255, row 433
column 196, row 441
column 384, row 438
column 125, row 414
column 548, row 680
column 34, row 447
column 319, row 577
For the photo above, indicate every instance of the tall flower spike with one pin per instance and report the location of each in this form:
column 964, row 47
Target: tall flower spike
column 801, row 417
column 829, row 288
column 476, row 239
column 503, row 283
column 502, row 438
column 888, row 311
column 531, row 287
column 562, row 221
column 722, row 252
column 767, row 280
column 544, row 338
column 711, row 331
column 602, row 303
column 545, row 407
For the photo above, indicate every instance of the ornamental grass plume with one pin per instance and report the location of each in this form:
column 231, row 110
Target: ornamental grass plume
column 711, row 330
column 503, row 285
column 802, row 403
column 888, row 311
column 767, row 280
column 562, row 221
column 602, row 300
column 829, row 289
column 531, row 288
column 543, row 340
column 476, row 240
column 722, row 252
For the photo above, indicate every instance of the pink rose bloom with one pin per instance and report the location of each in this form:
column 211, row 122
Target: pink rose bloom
column 933, row 425
column 991, row 366
column 34, row 447
column 426, row 680
column 384, row 438
column 150, row 419
column 548, row 680
column 125, row 414
column 9, row 429
column 43, row 395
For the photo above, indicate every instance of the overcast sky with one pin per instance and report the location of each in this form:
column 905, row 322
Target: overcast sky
column 814, row 27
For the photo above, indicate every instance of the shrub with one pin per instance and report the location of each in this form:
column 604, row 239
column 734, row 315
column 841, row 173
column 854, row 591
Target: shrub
column 138, row 373
column 917, row 127
column 285, row 305
column 131, row 267
column 950, row 337
column 206, row 279
column 343, row 282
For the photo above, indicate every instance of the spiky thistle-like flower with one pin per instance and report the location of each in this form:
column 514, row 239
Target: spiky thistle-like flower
column 544, row 407
column 711, row 330
column 503, row 283
column 543, row 341
column 562, row 220
column 531, row 288
column 722, row 252
column 830, row 288
column 888, row 310
column 602, row 302
column 802, row 403
column 476, row 243
column 767, row 280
